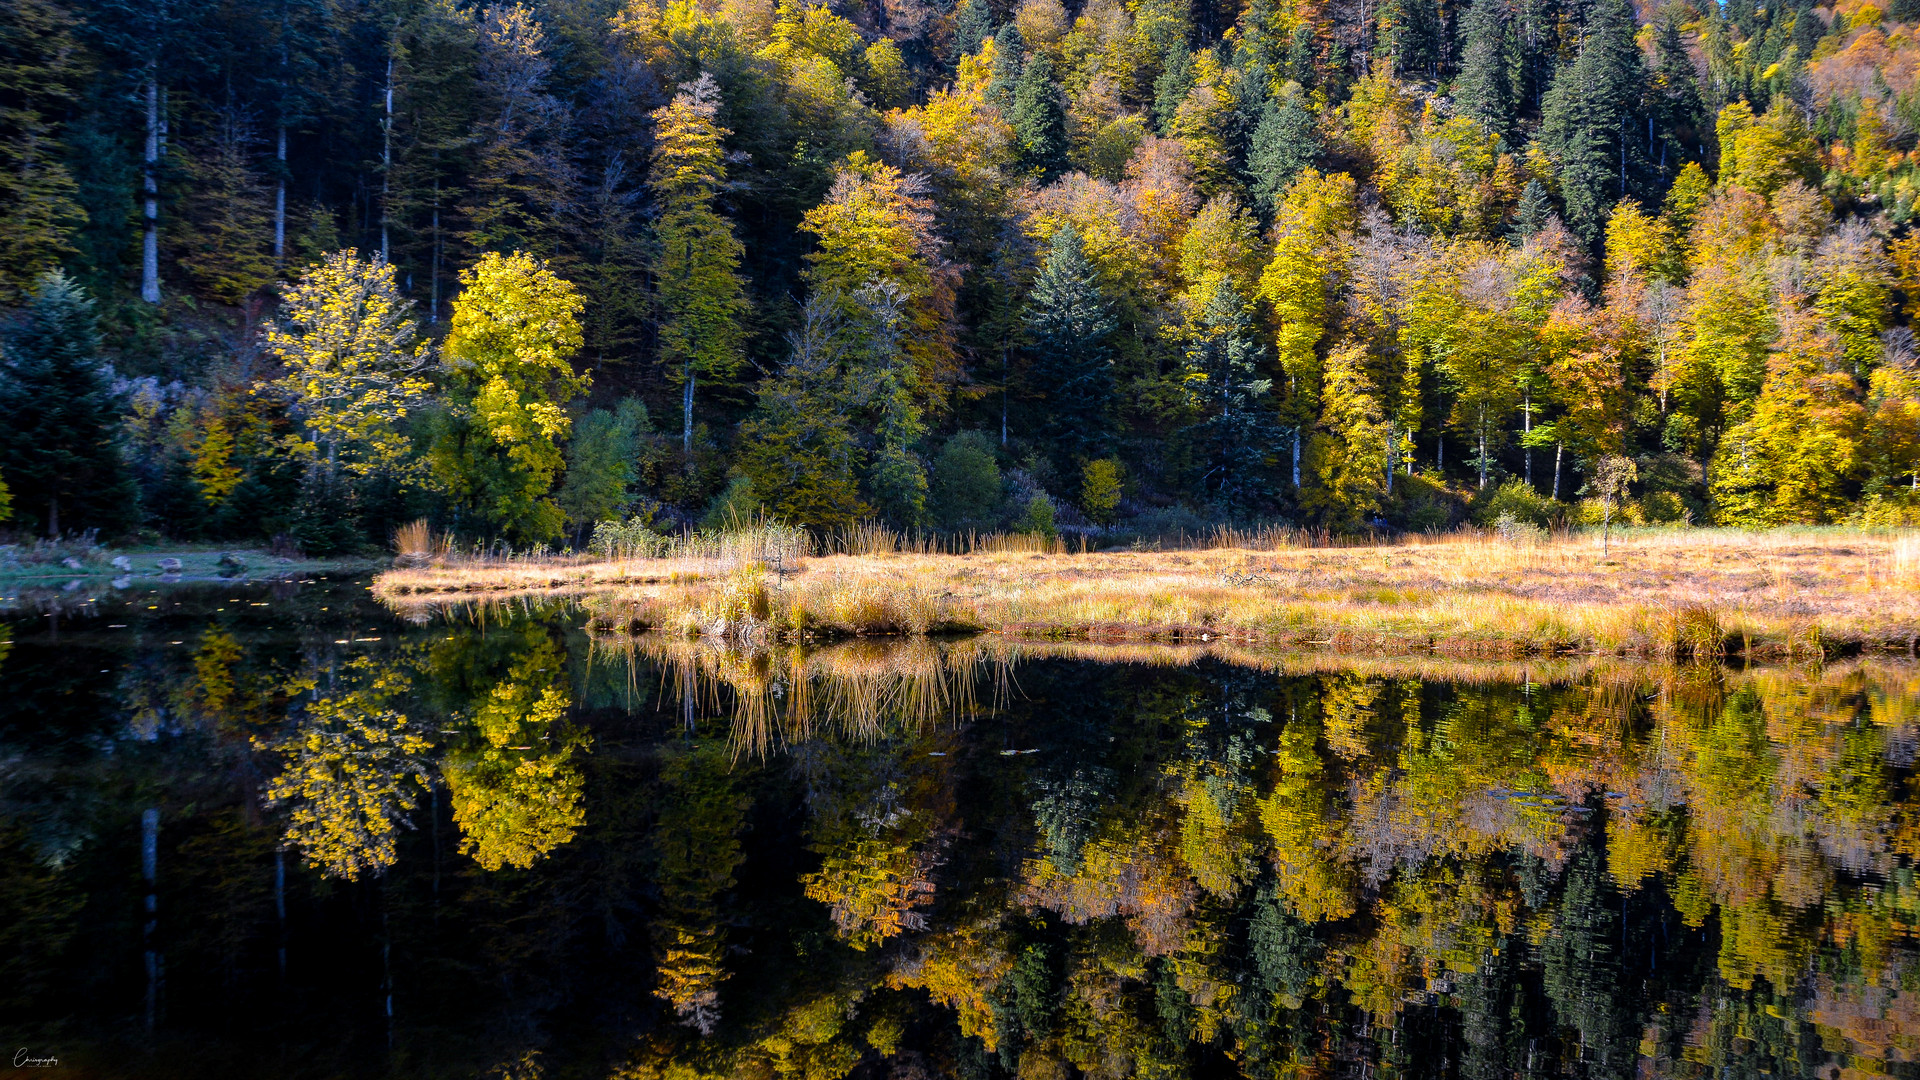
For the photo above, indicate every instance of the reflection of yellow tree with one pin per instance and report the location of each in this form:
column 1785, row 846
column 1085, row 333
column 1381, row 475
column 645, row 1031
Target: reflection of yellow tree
column 961, row 969
column 213, row 670
column 518, row 796
column 221, row 689
column 696, row 841
column 1298, row 816
column 1214, row 839
column 349, row 766
column 872, row 885
column 875, row 826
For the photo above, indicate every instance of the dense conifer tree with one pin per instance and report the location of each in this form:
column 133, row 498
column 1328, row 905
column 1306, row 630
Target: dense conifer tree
column 1679, row 116
column 1484, row 89
column 1039, row 123
column 1009, row 61
column 1071, row 373
column 1282, row 144
column 972, row 26
column 1416, row 38
column 60, row 450
column 1223, row 372
column 1170, row 87
column 1589, row 121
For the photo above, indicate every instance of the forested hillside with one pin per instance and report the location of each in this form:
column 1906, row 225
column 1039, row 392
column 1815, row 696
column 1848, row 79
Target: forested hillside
column 314, row 268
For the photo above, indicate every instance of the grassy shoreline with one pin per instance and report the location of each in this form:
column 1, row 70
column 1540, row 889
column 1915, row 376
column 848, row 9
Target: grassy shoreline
column 198, row 563
column 1671, row 593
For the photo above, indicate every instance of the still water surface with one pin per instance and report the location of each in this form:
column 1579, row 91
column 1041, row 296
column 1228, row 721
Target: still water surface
column 282, row 832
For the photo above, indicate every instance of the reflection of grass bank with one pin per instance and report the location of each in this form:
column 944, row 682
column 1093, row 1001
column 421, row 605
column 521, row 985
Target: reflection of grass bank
column 1672, row 593
column 779, row 693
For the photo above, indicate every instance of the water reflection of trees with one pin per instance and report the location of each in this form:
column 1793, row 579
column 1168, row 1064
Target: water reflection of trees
column 1588, row 865
column 365, row 738
column 1002, row 858
column 351, row 766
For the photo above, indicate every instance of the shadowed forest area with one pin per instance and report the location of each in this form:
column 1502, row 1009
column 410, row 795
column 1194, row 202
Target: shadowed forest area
column 301, row 271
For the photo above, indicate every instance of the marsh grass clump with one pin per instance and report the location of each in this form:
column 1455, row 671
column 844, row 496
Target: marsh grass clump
column 1694, row 632
column 1513, row 530
column 66, row 554
column 414, row 544
column 739, row 605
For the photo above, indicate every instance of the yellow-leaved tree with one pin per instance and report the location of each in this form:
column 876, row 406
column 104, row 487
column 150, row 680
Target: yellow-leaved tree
column 1790, row 460
column 701, row 296
column 1310, row 233
column 876, row 227
column 353, row 371
column 516, row 326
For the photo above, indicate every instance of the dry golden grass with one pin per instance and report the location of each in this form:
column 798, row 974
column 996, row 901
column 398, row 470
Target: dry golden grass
column 1678, row 593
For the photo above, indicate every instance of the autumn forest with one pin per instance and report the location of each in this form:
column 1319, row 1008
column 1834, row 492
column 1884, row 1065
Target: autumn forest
column 309, row 270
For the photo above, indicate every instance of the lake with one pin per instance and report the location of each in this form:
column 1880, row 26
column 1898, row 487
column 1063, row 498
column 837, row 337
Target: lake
column 279, row 831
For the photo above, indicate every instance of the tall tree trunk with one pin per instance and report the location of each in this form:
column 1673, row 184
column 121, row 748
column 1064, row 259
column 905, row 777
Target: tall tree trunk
column 1558, row 449
column 1296, row 457
column 1483, row 449
column 386, row 964
column 1390, row 459
column 150, row 184
column 1526, row 424
column 53, row 517
column 280, row 199
column 280, row 905
column 433, row 308
column 149, row 873
column 386, row 162
column 686, row 417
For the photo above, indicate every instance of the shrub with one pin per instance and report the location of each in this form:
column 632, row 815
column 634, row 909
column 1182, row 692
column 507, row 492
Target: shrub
column 1516, row 500
column 1665, row 508
column 1515, row 531
column 633, row 538
column 1421, row 504
column 1039, row 517
column 966, row 481
column 1100, row 490
column 1593, row 512
column 736, row 505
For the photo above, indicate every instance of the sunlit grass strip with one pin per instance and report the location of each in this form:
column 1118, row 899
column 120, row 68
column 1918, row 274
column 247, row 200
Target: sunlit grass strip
column 1784, row 593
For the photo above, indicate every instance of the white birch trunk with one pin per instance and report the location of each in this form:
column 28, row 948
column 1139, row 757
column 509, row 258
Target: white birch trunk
column 150, row 182
column 386, row 163
column 280, row 199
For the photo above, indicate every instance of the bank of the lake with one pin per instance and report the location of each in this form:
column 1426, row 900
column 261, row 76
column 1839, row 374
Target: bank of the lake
column 48, row 565
column 1671, row 593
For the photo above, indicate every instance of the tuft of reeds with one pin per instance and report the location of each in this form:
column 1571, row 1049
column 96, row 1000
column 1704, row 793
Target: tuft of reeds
column 1693, row 632
column 413, row 544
